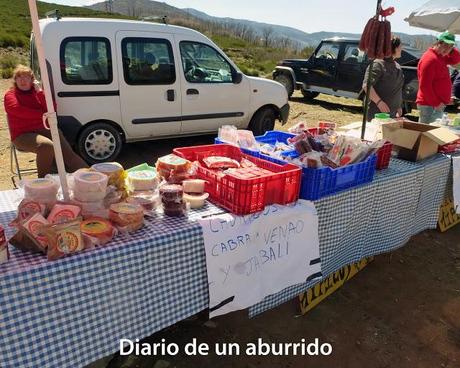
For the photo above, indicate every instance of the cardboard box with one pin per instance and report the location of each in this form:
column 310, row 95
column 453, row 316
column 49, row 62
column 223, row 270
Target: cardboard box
column 416, row 141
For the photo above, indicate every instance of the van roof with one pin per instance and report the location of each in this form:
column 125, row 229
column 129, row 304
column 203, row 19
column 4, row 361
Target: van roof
column 121, row 24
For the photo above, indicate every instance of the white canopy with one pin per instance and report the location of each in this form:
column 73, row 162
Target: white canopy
column 437, row 15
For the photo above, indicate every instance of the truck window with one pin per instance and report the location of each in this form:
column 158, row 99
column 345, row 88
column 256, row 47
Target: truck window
column 147, row 61
column 203, row 64
column 86, row 60
column 328, row 51
column 353, row 54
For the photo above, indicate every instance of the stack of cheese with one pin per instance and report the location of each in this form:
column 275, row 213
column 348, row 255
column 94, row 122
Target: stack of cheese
column 142, row 182
column 89, row 191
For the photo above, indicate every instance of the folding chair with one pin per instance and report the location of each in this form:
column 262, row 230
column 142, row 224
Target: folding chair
column 14, row 162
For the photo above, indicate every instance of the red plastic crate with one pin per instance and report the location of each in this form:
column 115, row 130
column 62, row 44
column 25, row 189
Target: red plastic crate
column 250, row 190
column 450, row 147
column 384, row 155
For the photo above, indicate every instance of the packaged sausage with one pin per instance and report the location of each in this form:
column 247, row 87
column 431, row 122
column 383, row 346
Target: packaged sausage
column 220, row 162
column 63, row 239
column 63, row 212
column 98, row 228
column 127, row 216
column 171, row 192
column 172, row 199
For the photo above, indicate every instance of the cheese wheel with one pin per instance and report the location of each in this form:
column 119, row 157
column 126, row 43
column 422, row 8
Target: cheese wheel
column 98, row 228
column 126, row 214
column 108, row 168
column 193, row 186
column 42, row 189
column 142, row 180
column 87, row 181
column 196, row 201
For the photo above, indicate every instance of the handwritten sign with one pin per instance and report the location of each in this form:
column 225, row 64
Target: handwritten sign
column 250, row 257
column 448, row 217
column 456, row 182
column 316, row 294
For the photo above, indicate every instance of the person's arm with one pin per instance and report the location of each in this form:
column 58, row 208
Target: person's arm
column 454, row 58
column 14, row 108
column 377, row 72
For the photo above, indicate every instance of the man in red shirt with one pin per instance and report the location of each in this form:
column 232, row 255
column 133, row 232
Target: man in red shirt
column 25, row 106
column 435, row 86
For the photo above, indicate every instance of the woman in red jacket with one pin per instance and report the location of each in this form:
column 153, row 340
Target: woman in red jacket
column 25, row 105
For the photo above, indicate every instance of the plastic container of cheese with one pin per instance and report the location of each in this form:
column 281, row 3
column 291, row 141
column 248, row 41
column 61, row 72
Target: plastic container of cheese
column 142, row 177
column 43, row 190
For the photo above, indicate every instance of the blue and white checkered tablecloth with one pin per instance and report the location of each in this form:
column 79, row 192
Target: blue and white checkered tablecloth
column 70, row 312
column 73, row 311
column 374, row 218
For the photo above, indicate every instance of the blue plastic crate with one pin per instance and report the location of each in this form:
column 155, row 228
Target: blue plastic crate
column 318, row 183
column 270, row 137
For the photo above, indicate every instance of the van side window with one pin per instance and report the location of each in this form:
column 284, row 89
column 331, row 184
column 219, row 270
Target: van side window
column 147, row 61
column 203, row 64
column 86, row 60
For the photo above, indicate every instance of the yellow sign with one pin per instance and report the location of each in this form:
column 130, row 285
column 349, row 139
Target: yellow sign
column 315, row 295
column 447, row 215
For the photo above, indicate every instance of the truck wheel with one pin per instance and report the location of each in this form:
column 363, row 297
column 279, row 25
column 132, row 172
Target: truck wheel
column 286, row 81
column 308, row 95
column 263, row 120
column 99, row 142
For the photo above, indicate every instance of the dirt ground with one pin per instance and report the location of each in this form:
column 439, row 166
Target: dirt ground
column 403, row 310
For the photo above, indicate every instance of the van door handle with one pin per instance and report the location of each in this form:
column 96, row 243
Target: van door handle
column 170, row 95
column 193, row 91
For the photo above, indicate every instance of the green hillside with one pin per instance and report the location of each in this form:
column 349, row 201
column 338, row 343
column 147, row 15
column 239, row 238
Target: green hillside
column 252, row 59
column 16, row 25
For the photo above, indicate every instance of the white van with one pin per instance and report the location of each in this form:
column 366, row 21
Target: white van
column 118, row 81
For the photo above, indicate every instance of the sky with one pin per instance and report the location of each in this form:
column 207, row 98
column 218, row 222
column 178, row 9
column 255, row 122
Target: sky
column 307, row 15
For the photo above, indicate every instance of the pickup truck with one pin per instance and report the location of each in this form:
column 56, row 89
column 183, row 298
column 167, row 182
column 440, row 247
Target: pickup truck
column 337, row 68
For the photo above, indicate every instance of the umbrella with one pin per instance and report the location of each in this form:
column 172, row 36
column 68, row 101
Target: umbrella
column 437, row 15
column 51, row 114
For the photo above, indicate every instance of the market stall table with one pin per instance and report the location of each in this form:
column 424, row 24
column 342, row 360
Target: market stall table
column 73, row 311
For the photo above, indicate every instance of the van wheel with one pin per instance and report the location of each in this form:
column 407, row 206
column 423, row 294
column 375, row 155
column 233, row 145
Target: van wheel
column 286, row 82
column 308, row 95
column 99, row 142
column 263, row 120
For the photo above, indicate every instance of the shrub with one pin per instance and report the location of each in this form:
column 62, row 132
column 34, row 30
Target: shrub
column 7, row 73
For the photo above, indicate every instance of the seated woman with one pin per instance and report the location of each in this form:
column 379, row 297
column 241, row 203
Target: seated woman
column 25, row 105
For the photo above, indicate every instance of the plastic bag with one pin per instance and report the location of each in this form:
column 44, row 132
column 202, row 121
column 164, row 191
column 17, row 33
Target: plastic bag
column 63, row 239
column 228, row 134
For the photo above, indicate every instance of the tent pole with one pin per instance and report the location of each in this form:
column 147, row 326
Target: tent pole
column 368, row 84
column 51, row 114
